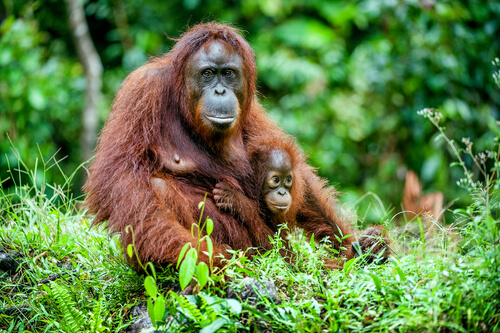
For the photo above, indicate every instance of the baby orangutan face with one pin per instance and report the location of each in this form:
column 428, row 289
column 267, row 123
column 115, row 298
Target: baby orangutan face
column 278, row 182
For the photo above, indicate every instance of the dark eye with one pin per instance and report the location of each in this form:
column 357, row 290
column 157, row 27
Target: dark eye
column 275, row 179
column 228, row 73
column 207, row 73
column 288, row 179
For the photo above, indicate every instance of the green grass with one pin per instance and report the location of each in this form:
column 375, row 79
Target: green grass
column 54, row 237
column 448, row 280
column 443, row 289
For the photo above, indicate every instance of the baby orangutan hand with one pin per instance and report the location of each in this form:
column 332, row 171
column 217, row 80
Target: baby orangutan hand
column 224, row 197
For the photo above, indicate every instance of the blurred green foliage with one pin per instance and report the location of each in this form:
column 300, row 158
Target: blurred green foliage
column 345, row 77
column 41, row 91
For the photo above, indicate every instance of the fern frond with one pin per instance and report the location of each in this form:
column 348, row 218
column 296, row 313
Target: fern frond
column 209, row 313
column 188, row 309
column 75, row 320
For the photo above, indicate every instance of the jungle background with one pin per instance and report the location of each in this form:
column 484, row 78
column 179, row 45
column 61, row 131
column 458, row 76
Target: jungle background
column 346, row 78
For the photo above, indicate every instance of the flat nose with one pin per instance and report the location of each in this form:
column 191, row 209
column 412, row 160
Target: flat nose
column 281, row 191
column 220, row 90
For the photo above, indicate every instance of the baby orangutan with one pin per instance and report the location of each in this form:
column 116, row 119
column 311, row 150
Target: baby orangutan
column 278, row 185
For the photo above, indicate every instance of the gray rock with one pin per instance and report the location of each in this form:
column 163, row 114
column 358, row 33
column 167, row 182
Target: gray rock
column 141, row 319
column 9, row 262
column 253, row 290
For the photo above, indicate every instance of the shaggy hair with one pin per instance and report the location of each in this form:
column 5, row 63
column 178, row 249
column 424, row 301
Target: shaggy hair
column 131, row 184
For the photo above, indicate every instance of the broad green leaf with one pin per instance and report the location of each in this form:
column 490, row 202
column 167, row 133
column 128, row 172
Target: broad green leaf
column 150, row 285
column 201, row 204
column 192, row 254
column 181, row 255
column 210, row 226
column 234, row 306
column 210, row 247
column 186, row 271
column 130, row 250
column 151, row 311
column 202, row 273
column 159, row 308
column 313, row 247
column 213, row 327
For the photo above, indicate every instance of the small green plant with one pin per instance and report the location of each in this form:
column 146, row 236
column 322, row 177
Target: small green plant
column 156, row 302
column 188, row 263
column 204, row 313
column 189, row 268
column 74, row 319
column 483, row 191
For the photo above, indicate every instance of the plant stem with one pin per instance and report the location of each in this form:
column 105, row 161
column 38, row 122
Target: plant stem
column 450, row 143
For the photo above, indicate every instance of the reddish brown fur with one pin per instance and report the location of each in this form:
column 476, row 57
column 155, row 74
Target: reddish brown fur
column 319, row 207
column 262, row 223
column 149, row 112
column 259, row 151
column 133, row 180
column 304, row 210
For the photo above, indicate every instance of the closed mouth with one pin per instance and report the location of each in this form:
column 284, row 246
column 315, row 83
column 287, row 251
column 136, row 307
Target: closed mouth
column 280, row 207
column 220, row 120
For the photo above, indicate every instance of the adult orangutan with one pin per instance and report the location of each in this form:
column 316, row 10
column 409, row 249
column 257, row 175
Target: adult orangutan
column 179, row 125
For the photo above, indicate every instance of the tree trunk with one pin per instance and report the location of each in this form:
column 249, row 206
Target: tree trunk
column 92, row 66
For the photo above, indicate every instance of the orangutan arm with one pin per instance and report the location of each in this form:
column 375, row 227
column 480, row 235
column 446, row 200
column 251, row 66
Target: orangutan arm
column 246, row 210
